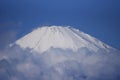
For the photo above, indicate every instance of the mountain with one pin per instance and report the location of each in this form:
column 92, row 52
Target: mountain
column 59, row 53
column 44, row 38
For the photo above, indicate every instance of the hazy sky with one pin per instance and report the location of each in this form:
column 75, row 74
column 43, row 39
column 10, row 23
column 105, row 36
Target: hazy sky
column 99, row 18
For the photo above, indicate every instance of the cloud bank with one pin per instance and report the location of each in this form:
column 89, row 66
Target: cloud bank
column 58, row 64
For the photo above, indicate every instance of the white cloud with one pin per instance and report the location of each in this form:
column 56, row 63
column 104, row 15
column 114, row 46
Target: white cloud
column 29, row 69
column 58, row 64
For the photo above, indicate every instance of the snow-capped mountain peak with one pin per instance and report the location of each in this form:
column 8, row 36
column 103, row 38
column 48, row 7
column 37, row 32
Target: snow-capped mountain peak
column 59, row 53
column 44, row 38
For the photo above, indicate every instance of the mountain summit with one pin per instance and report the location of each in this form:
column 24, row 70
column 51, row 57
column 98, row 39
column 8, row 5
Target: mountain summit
column 44, row 38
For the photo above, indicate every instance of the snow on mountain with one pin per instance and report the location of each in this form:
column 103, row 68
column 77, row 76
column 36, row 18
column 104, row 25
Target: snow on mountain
column 44, row 38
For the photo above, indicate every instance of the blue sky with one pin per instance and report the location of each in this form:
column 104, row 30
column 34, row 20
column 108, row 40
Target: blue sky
column 99, row 18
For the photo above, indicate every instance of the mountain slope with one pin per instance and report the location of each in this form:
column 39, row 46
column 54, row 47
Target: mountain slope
column 44, row 38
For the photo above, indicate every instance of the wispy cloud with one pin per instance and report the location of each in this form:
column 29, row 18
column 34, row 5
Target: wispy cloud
column 8, row 32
